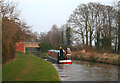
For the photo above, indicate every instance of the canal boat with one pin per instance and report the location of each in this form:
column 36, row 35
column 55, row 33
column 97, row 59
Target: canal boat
column 54, row 56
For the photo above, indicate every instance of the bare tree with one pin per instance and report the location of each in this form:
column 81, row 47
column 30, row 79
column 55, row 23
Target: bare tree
column 77, row 21
column 9, row 9
column 91, row 22
column 13, row 30
column 119, row 26
column 94, row 21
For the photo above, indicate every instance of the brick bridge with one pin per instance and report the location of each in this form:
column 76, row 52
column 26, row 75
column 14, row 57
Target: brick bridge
column 21, row 46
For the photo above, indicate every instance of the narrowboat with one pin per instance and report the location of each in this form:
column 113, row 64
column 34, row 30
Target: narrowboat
column 54, row 56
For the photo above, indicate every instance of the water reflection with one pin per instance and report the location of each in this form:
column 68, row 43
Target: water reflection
column 87, row 71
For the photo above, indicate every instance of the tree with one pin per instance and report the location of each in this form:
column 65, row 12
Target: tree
column 45, row 46
column 0, row 34
column 77, row 21
column 91, row 22
column 97, row 43
column 55, row 36
column 13, row 30
column 105, row 41
column 119, row 27
column 68, row 36
column 94, row 22
column 11, row 33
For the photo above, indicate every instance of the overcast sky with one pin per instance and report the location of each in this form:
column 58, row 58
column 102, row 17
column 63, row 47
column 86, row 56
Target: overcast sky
column 42, row 14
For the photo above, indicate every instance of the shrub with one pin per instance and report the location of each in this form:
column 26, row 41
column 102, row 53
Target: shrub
column 113, row 61
column 45, row 46
column 92, row 58
column 82, row 57
column 106, row 58
column 113, row 54
column 97, row 58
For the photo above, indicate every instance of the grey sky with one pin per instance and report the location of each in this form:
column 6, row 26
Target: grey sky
column 42, row 14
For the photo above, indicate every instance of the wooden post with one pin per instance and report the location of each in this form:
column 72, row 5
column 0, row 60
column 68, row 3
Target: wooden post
column 24, row 49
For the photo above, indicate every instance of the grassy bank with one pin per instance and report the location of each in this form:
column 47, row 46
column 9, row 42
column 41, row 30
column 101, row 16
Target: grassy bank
column 42, row 55
column 95, row 57
column 0, row 74
column 29, row 68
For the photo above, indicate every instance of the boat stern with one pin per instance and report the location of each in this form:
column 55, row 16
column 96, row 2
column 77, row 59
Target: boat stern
column 65, row 61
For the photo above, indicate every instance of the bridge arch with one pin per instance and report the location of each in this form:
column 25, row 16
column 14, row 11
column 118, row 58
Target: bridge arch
column 21, row 46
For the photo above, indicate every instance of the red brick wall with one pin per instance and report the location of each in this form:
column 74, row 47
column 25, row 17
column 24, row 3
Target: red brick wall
column 20, row 47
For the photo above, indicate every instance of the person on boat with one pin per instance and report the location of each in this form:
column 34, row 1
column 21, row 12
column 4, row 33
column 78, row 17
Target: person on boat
column 68, row 53
column 64, row 54
column 61, row 52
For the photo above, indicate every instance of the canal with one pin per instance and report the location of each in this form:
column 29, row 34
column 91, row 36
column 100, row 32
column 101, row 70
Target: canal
column 87, row 71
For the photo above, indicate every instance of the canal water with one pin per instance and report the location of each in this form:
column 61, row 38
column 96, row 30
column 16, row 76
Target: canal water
column 87, row 71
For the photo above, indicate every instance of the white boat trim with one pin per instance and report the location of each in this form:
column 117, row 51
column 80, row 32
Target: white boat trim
column 61, row 61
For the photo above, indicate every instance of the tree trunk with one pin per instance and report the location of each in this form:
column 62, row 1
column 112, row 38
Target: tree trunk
column 98, row 41
column 119, row 37
column 110, row 32
column 83, row 39
column 115, row 43
column 62, row 37
column 86, row 31
column 90, row 42
column 119, row 30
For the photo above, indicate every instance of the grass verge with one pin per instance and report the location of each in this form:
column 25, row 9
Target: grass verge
column 29, row 68
column 0, row 74
column 42, row 55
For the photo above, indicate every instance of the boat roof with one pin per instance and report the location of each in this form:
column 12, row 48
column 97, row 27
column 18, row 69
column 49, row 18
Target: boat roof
column 54, row 50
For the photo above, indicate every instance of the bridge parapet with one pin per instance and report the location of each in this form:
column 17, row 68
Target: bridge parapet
column 31, row 44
